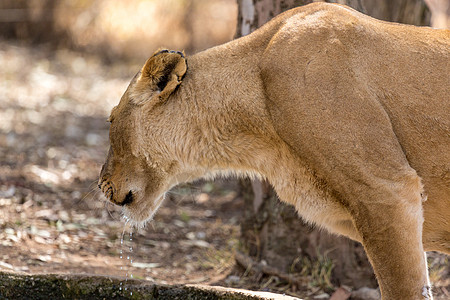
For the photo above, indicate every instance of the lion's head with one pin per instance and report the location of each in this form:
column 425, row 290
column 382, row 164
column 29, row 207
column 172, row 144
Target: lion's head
column 140, row 164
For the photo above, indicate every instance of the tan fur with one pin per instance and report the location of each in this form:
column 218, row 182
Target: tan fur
column 348, row 117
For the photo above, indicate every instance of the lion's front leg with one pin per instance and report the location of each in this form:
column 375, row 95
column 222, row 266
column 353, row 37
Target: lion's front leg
column 391, row 231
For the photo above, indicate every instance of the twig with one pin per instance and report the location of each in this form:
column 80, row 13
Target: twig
column 249, row 264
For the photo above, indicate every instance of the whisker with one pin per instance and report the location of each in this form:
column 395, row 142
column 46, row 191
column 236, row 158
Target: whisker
column 107, row 207
column 93, row 182
column 90, row 193
column 124, row 228
column 92, row 190
column 191, row 189
column 153, row 225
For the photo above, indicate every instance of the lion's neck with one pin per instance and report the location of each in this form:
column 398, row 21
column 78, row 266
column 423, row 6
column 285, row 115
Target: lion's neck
column 228, row 114
column 229, row 130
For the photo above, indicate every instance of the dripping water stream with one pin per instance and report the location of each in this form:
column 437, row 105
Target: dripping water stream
column 126, row 258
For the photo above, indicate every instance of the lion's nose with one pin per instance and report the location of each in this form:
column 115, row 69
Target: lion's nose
column 108, row 189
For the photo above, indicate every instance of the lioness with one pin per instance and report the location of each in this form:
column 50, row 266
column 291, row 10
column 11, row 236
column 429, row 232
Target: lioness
column 348, row 117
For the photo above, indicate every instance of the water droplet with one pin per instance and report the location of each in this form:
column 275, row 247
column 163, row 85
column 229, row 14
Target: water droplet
column 122, row 254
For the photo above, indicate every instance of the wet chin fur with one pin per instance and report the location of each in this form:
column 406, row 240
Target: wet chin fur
column 139, row 216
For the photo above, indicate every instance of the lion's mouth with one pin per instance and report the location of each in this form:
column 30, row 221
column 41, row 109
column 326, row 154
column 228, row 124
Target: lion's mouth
column 128, row 199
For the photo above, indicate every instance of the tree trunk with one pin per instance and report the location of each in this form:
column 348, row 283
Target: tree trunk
column 33, row 21
column 271, row 230
column 414, row 12
column 440, row 13
column 252, row 14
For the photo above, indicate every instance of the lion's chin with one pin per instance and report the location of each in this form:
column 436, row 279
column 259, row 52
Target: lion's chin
column 137, row 215
column 133, row 220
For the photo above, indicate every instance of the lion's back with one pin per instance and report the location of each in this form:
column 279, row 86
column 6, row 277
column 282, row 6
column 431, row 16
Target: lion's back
column 331, row 52
column 343, row 83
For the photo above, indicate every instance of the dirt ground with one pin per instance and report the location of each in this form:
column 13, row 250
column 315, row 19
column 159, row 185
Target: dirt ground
column 53, row 140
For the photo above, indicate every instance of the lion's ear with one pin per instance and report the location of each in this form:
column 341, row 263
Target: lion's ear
column 161, row 75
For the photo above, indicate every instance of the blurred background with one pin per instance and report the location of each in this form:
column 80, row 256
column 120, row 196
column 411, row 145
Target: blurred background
column 125, row 29
column 63, row 66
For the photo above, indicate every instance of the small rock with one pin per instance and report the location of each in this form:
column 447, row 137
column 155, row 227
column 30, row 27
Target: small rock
column 322, row 296
column 9, row 231
column 145, row 265
column 5, row 265
column 5, row 201
column 179, row 223
column 27, row 204
column 366, row 293
column 202, row 198
column 201, row 244
column 201, row 235
column 22, row 269
column 164, row 245
column 190, row 236
column 195, row 243
column 48, row 214
column 11, row 191
column 43, row 233
column 342, row 293
column 44, row 258
column 44, row 175
column 40, row 240
column 60, row 225
column 13, row 238
column 64, row 238
column 82, row 234
column 233, row 279
column 209, row 213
